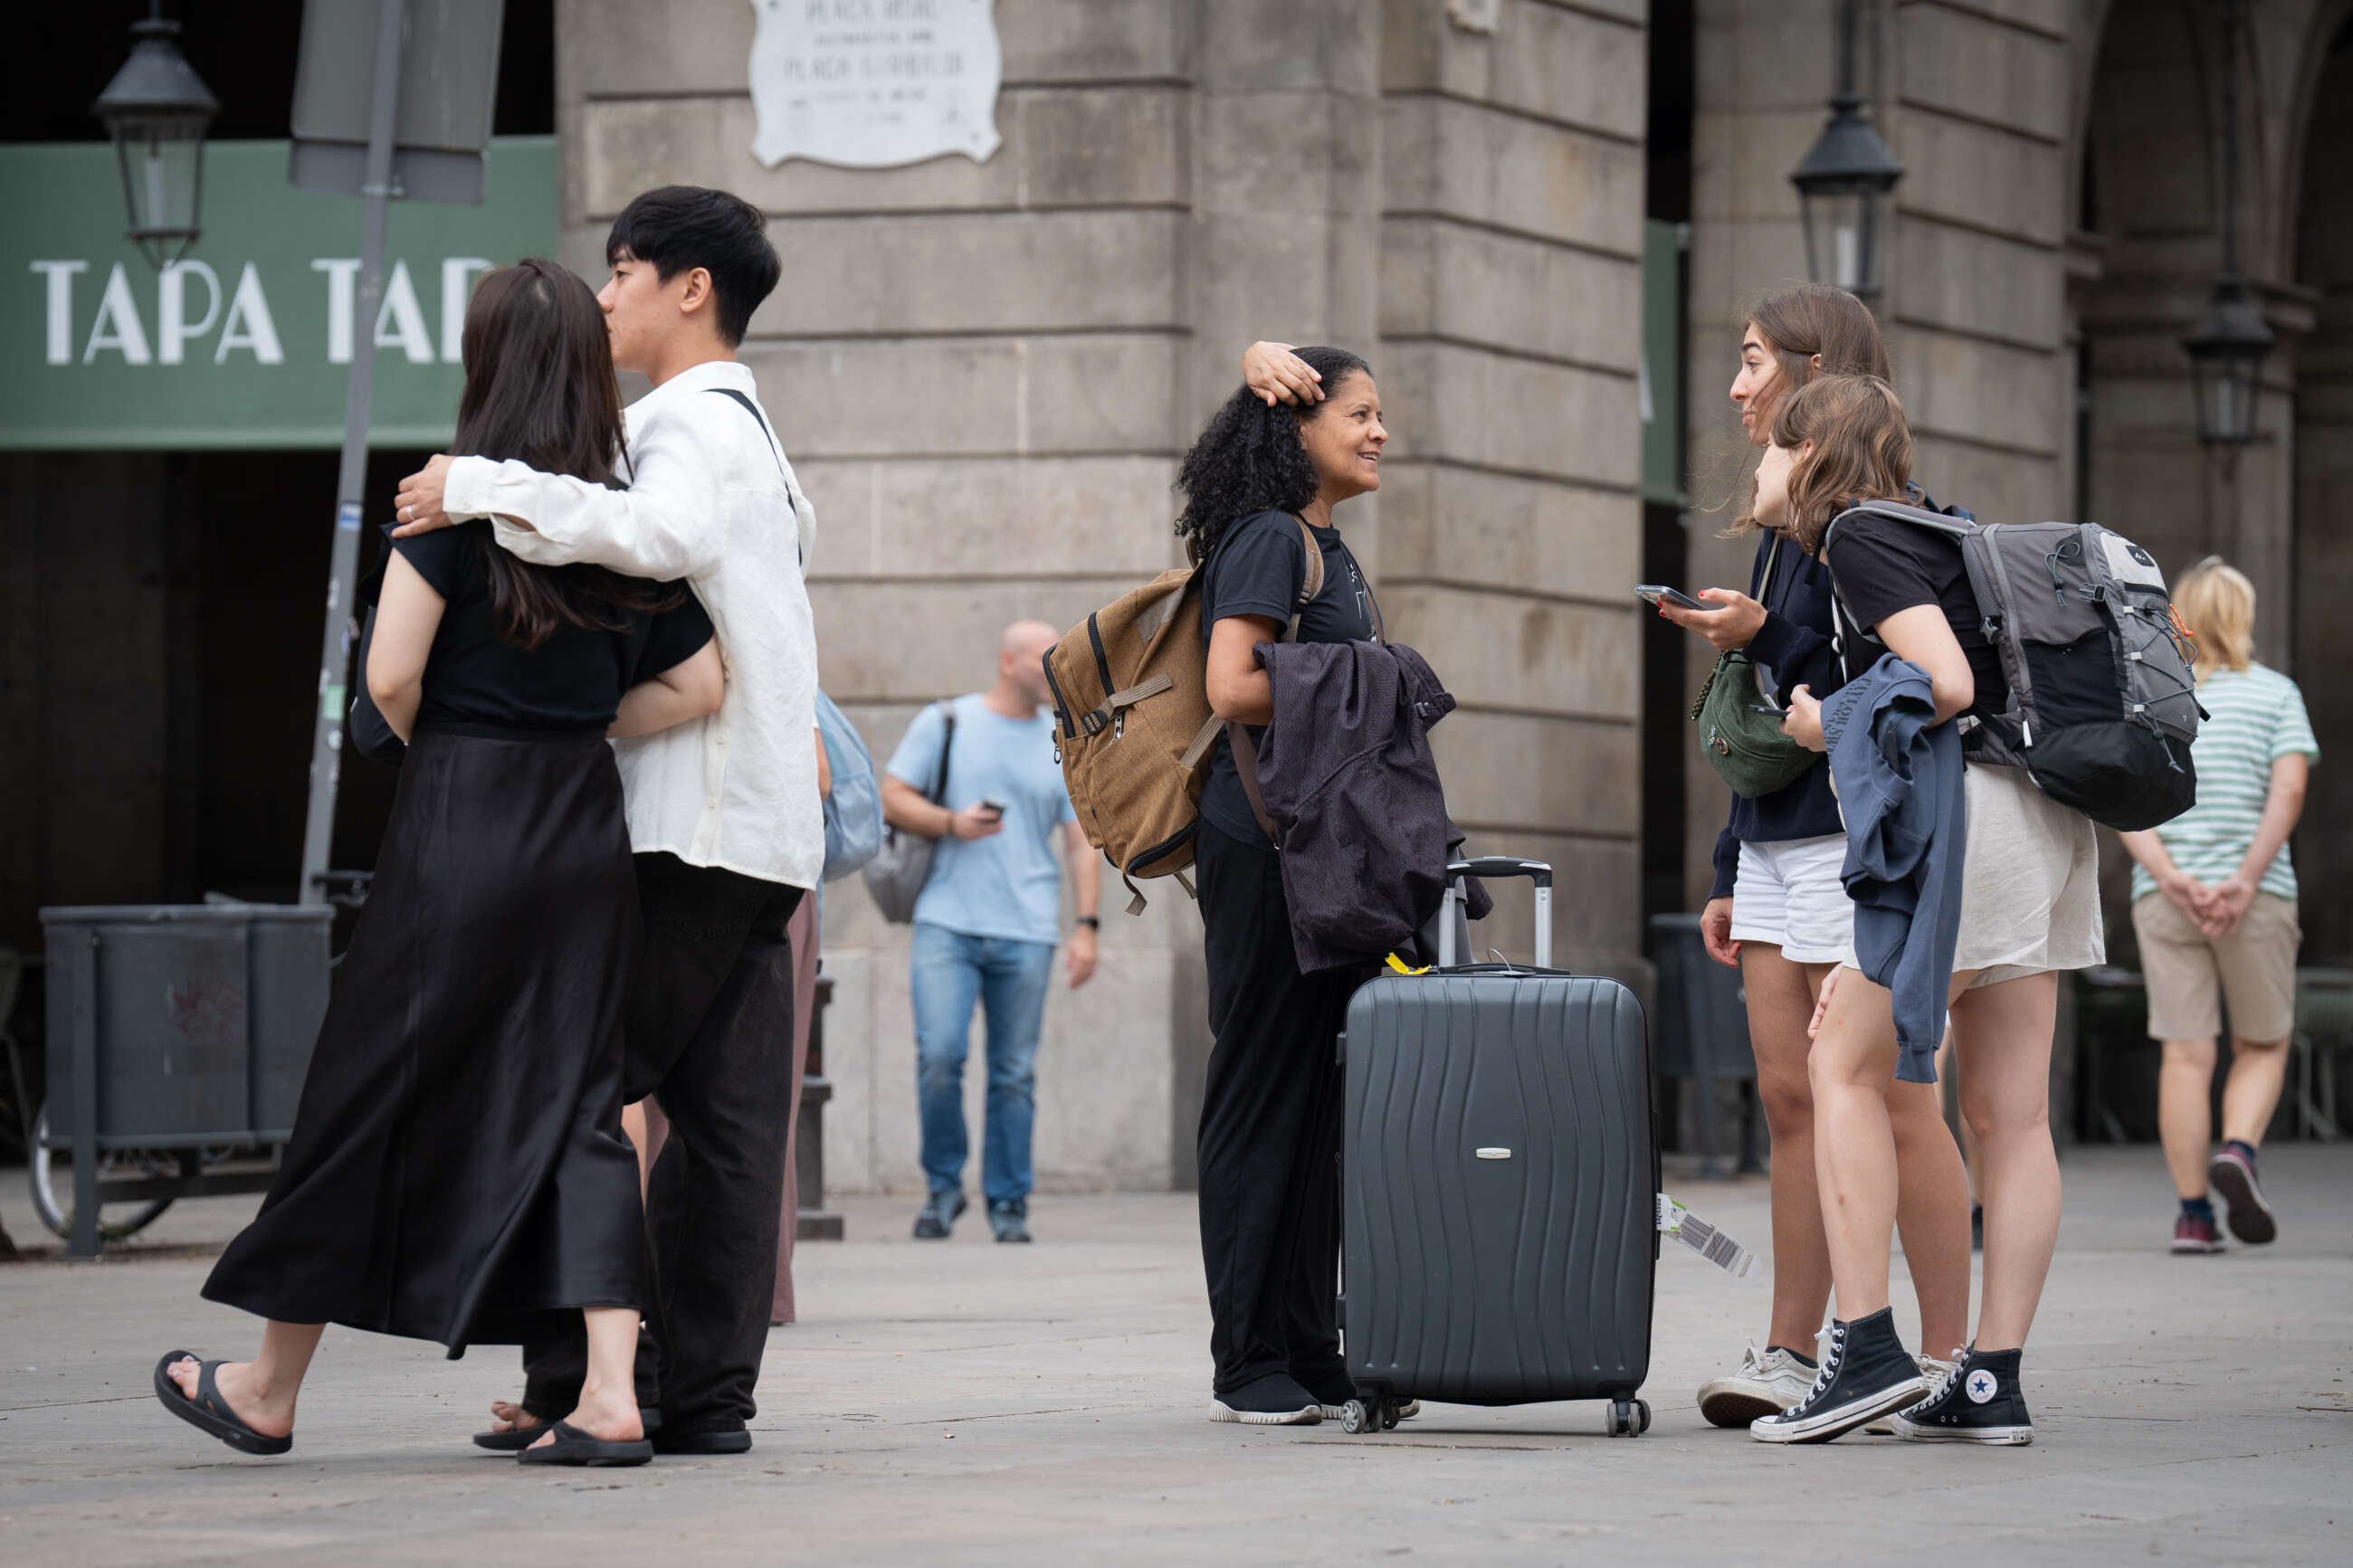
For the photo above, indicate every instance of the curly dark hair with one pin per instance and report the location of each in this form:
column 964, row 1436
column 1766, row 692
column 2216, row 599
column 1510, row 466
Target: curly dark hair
column 1249, row 458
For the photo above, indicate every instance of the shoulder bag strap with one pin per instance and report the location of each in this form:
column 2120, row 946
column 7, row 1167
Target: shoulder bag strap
column 766, row 435
column 939, row 795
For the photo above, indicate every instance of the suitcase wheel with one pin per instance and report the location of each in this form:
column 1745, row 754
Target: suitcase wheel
column 1380, row 1414
column 1629, row 1417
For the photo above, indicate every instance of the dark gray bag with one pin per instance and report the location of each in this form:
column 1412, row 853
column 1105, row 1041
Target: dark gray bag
column 1499, row 1172
column 896, row 875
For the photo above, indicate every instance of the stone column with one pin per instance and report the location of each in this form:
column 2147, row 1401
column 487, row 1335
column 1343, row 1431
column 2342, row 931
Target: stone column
column 1509, row 314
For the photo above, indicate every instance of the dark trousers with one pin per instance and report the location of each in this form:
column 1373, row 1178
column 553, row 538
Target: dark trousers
column 710, row 1034
column 1269, row 1142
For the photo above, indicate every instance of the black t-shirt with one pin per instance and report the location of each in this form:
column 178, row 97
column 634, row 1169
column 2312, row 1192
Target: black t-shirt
column 1260, row 569
column 573, row 680
column 1881, row 565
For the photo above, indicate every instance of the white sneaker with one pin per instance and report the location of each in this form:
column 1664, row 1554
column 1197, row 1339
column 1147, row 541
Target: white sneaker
column 1768, row 1382
column 1933, row 1374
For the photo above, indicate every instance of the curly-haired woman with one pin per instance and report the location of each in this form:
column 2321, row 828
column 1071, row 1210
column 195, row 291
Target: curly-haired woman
column 1261, row 480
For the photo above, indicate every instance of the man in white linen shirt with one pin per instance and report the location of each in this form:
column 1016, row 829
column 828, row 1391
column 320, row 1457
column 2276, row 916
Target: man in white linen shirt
column 724, row 816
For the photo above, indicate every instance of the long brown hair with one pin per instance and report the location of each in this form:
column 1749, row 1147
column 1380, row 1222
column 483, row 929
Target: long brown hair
column 1797, row 324
column 1863, row 448
column 540, row 388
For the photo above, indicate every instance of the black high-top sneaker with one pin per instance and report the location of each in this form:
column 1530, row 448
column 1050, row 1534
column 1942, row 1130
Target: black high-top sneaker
column 1866, row 1374
column 1979, row 1401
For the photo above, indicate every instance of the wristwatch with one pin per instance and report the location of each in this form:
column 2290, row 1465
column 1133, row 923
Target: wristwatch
column 1090, row 921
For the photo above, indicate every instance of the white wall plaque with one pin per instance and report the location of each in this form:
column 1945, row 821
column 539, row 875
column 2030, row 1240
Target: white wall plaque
column 872, row 84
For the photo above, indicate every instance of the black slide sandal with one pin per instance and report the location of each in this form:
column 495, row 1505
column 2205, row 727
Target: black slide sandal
column 208, row 1411
column 514, row 1439
column 574, row 1447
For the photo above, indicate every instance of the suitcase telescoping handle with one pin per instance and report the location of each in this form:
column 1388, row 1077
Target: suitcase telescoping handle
column 1488, row 867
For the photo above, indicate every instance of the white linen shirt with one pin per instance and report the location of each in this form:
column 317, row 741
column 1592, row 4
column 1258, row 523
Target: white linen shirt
column 712, row 500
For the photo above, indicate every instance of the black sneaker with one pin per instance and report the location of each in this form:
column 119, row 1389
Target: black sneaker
column 1978, row 1402
column 1009, row 1221
column 1866, row 1374
column 938, row 1215
column 2232, row 1175
column 1275, row 1400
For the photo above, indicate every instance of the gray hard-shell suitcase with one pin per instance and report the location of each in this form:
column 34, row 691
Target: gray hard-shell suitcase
column 1499, row 1235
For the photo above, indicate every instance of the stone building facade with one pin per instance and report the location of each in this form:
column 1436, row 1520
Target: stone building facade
column 2056, row 234
column 987, row 372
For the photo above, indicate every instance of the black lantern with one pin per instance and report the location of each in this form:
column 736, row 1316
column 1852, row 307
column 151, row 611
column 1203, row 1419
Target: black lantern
column 157, row 108
column 1841, row 181
column 1840, row 187
column 2226, row 357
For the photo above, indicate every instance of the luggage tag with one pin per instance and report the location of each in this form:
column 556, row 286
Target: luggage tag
column 1704, row 1239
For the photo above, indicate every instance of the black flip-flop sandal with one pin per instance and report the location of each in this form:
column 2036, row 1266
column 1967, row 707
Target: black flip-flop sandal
column 574, row 1447
column 208, row 1411
column 514, row 1439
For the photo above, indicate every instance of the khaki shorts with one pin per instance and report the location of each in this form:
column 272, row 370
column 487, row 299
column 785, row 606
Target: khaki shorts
column 2030, row 888
column 2188, row 974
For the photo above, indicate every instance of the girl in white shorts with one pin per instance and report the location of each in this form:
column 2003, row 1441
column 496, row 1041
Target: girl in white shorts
column 2029, row 907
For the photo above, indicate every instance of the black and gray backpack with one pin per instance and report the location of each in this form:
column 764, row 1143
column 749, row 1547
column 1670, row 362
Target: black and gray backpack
column 2102, row 703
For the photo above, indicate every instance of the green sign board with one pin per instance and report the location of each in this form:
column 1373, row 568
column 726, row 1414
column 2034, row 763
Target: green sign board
column 248, row 341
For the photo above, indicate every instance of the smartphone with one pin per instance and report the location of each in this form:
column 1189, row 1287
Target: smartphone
column 987, row 803
column 1659, row 593
column 1768, row 707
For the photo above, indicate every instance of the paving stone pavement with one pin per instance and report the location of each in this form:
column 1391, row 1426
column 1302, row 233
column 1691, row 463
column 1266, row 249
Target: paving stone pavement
column 968, row 1403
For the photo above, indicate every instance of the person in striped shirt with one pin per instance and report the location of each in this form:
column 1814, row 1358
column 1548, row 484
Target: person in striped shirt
column 2213, row 902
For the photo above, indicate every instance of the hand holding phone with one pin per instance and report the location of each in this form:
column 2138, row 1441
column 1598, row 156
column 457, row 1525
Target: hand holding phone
column 1660, row 593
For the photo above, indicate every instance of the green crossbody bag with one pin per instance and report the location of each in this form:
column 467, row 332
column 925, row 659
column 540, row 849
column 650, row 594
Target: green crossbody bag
column 1744, row 747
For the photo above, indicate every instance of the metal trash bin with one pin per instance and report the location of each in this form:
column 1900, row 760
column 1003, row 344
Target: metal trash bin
column 176, row 1027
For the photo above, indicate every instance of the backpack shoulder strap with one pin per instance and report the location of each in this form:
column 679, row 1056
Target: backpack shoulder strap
column 1897, row 512
column 1313, row 584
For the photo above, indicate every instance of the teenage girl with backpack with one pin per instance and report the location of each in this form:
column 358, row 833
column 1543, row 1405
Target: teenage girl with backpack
column 2029, row 907
column 1779, row 912
column 1269, row 1137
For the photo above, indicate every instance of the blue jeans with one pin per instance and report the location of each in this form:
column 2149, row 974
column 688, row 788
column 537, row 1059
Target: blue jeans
column 1007, row 978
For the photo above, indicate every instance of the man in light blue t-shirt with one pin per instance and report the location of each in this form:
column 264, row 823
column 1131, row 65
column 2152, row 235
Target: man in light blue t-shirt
column 989, row 918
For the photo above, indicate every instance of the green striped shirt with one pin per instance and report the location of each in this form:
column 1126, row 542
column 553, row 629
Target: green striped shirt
column 2258, row 718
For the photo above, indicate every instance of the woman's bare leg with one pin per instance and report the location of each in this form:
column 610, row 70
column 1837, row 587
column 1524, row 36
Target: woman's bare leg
column 261, row 1391
column 2184, row 1077
column 1780, row 1004
column 1852, row 1065
column 1932, row 1212
column 609, row 1394
column 2004, row 1034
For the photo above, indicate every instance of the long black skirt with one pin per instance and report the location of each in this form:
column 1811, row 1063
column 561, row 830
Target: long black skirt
column 457, row 1170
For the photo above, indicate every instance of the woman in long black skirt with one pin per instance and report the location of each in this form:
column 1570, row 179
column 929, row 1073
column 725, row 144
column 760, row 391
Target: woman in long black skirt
column 457, row 1170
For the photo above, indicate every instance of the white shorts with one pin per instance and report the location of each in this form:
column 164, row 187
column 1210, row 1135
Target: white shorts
column 1789, row 893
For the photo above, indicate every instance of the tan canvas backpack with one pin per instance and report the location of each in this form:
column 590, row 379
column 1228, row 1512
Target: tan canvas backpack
column 1132, row 727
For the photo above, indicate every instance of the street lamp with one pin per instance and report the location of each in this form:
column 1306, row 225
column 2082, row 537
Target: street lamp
column 1841, row 183
column 2225, row 359
column 2226, row 356
column 157, row 108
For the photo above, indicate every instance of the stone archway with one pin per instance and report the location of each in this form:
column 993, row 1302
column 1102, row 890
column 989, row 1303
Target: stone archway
column 2323, row 495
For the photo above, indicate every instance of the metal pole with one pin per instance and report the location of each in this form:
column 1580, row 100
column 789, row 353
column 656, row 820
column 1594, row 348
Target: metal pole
column 84, row 1245
column 342, row 576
